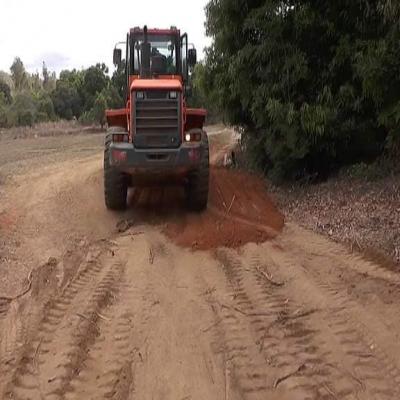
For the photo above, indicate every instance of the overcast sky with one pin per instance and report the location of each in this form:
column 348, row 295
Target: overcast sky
column 79, row 33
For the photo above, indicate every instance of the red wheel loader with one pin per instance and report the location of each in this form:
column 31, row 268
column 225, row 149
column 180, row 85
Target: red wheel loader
column 156, row 139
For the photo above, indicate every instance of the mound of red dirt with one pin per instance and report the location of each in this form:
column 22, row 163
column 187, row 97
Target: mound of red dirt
column 240, row 211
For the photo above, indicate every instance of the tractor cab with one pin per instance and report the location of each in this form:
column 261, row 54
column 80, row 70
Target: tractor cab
column 156, row 54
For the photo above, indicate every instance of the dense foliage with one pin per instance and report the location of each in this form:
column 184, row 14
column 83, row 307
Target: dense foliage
column 315, row 84
column 26, row 99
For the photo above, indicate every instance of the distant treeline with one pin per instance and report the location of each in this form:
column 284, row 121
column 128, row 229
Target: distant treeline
column 314, row 84
column 26, row 99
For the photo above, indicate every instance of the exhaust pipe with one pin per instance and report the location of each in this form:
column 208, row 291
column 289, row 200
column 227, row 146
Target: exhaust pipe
column 145, row 56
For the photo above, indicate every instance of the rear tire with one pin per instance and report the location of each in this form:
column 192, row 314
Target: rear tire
column 115, row 181
column 198, row 181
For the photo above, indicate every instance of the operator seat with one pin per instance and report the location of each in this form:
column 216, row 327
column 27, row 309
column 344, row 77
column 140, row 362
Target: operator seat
column 158, row 64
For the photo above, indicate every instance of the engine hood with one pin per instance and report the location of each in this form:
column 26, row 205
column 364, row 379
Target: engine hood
column 156, row 84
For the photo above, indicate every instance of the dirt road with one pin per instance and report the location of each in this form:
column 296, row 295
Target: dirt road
column 155, row 303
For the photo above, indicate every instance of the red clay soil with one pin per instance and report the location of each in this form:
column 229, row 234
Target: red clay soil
column 240, row 211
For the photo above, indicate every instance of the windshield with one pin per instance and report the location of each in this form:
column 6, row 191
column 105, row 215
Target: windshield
column 163, row 54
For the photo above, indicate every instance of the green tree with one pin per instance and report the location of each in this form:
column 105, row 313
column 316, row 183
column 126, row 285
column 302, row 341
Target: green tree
column 3, row 110
column 5, row 90
column 19, row 75
column 45, row 75
column 73, row 77
column 202, row 94
column 23, row 111
column 35, row 83
column 119, row 80
column 314, row 84
column 99, row 108
column 49, row 79
column 6, row 78
column 391, row 9
column 94, row 81
column 107, row 98
column 66, row 100
column 45, row 107
column 112, row 96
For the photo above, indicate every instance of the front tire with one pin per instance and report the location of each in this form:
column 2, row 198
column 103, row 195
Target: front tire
column 198, row 181
column 115, row 182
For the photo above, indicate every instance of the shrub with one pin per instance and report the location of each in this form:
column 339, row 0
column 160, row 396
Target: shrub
column 3, row 111
column 5, row 90
column 23, row 111
column 66, row 100
column 315, row 85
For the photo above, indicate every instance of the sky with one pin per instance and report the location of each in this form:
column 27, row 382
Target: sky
column 78, row 33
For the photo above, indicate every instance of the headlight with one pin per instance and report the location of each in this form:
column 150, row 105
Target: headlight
column 173, row 95
column 140, row 95
column 193, row 137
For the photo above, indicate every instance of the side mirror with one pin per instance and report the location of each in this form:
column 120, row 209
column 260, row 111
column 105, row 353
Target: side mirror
column 117, row 56
column 192, row 57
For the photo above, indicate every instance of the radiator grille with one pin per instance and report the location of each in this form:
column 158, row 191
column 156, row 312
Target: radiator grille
column 157, row 121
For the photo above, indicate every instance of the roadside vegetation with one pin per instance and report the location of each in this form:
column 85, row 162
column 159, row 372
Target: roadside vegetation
column 27, row 99
column 314, row 85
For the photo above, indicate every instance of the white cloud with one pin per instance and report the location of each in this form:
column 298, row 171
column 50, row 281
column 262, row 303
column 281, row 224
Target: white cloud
column 78, row 33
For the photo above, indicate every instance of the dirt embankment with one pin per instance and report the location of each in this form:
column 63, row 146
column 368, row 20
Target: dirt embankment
column 363, row 214
column 95, row 304
column 48, row 129
column 239, row 212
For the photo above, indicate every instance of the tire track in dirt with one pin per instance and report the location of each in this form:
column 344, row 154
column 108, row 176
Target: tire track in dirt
column 345, row 334
column 26, row 314
column 105, row 373
column 308, row 243
column 264, row 311
column 296, row 337
column 10, row 342
column 121, row 343
column 176, row 359
column 310, row 352
column 109, row 369
column 66, row 332
column 237, row 329
column 245, row 368
column 4, row 307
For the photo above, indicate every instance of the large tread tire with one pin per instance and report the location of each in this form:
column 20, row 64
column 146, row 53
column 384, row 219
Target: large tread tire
column 115, row 181
column 198, row 181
